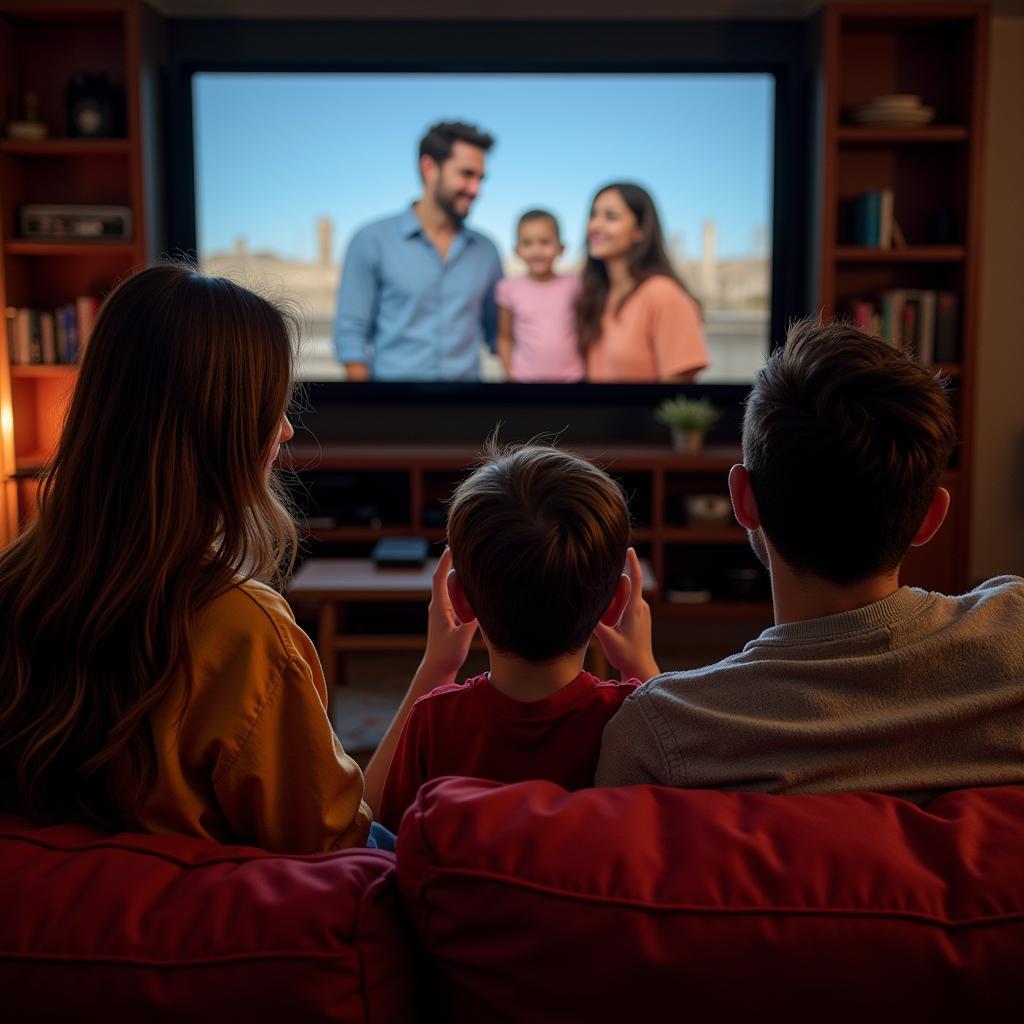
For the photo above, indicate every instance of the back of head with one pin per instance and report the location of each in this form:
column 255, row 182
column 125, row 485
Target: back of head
column 845, row 439
column 539, row 540
column 159, row 494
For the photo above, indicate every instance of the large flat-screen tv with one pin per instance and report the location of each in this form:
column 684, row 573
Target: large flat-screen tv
column 289, row 165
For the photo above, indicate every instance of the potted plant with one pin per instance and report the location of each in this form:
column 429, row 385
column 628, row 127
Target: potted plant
column 688, row 420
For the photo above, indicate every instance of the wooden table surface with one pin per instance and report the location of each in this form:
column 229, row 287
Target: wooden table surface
column 358, row 579
column 335, row 582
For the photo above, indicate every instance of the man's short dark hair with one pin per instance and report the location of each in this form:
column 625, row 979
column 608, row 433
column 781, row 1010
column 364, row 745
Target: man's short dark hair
column 441, row 138
column 845, row 439
column 539, row 540
column 532, row 215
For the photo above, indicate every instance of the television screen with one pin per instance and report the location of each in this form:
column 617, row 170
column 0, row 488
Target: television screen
column 291, row 167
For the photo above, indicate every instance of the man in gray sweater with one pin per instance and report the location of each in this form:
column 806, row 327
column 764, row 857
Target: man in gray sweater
column 861, row 684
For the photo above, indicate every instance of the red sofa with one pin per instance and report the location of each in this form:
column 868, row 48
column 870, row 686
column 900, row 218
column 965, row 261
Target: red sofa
column 159, row 928
column 533, row 905
column 646, row 903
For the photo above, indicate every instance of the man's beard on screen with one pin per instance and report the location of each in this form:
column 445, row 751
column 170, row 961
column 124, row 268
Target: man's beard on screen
column 446, row 200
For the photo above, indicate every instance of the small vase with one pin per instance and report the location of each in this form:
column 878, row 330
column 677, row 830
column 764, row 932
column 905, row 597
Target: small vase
column 687, row 442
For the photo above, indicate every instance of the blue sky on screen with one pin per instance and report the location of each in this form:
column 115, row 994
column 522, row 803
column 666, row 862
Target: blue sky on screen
column 276, row 151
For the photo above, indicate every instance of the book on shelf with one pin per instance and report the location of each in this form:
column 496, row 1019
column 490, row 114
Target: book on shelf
column 50, row 337
column 921, row 321
column 873, row 222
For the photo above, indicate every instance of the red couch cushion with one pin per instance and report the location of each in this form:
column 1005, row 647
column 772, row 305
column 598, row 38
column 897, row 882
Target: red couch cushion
column 540, row 905
column 162, row 928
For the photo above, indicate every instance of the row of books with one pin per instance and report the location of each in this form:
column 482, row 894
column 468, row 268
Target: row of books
column 37, row 336
column 873, row 223
column 920, row 321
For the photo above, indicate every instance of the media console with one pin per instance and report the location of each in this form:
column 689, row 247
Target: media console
column 353, row 495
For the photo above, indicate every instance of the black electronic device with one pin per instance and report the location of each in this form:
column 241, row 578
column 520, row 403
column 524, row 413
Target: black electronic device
column 400, row 553
column 95, row 108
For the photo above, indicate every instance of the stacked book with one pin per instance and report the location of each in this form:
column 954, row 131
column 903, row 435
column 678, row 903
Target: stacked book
column 42, row 336
column 873, row 223
column 921, row 322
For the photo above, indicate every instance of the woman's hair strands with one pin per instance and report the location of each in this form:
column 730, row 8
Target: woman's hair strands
column 157, row 499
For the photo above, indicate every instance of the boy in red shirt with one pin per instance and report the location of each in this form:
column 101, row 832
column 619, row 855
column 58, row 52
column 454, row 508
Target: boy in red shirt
column 537, row 543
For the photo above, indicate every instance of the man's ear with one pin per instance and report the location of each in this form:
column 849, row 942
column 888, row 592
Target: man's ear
column 617, row 605
column 744, row 506
column 428, row 168
column 463, row 612
column 933, row 518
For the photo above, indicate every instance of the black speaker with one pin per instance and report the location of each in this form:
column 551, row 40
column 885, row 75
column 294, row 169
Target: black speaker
column 95, row 108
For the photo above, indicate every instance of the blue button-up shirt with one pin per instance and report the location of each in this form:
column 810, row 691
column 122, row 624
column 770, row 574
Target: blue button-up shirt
column 407, row 313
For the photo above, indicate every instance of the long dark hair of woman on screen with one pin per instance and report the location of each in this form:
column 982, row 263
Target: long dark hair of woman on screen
column 635, row 319
column 151, row 673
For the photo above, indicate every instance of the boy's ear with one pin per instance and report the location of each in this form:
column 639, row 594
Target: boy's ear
column 744, row 506
column 933, row 518
column 463, row 612
column 617, row 605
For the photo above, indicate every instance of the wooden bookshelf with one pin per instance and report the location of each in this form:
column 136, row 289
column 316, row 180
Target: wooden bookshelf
column 42, row 43
column 937, row 51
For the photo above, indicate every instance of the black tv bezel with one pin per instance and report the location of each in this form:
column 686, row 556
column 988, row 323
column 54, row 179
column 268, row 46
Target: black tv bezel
column 319, row 46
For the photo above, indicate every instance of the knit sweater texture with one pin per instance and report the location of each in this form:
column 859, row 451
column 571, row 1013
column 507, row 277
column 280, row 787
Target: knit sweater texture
column 914, row 694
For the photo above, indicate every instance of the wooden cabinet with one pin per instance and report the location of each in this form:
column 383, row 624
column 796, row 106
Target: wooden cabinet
column 42, row 44
column 352, row 495
column 937, row 52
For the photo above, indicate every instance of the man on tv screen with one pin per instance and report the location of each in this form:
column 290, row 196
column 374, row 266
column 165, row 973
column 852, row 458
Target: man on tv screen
column 417, row 289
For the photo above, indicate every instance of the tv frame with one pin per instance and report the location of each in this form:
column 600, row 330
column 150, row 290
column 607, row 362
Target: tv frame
column 259, row 45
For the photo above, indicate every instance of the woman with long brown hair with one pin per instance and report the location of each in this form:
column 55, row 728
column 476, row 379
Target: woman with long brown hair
column 635, row 320
column 151, row 676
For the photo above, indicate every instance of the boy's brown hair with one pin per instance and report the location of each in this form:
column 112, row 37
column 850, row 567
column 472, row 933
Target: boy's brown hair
column 845, row 439
column 539, row 539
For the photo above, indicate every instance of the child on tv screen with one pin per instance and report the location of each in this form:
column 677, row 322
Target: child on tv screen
column 537, row 312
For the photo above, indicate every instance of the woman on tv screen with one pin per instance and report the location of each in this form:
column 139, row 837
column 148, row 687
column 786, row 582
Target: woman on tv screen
column 636, row 321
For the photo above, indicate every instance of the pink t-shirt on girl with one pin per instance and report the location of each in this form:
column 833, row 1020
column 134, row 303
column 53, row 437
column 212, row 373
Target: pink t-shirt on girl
column 544, row 328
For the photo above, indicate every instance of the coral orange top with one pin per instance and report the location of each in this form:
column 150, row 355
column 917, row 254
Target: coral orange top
column 655, row 336
column 254, row 760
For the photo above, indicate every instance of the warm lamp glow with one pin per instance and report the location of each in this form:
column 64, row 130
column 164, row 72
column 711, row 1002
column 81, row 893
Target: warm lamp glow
column 6, row 418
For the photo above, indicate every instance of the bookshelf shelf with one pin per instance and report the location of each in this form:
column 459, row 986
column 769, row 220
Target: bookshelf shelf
column 910, row 254
column 368, row 534
column 29, row 465
column 67, row 147
column 23, row 248
column 857, row 134
column 44, row 370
